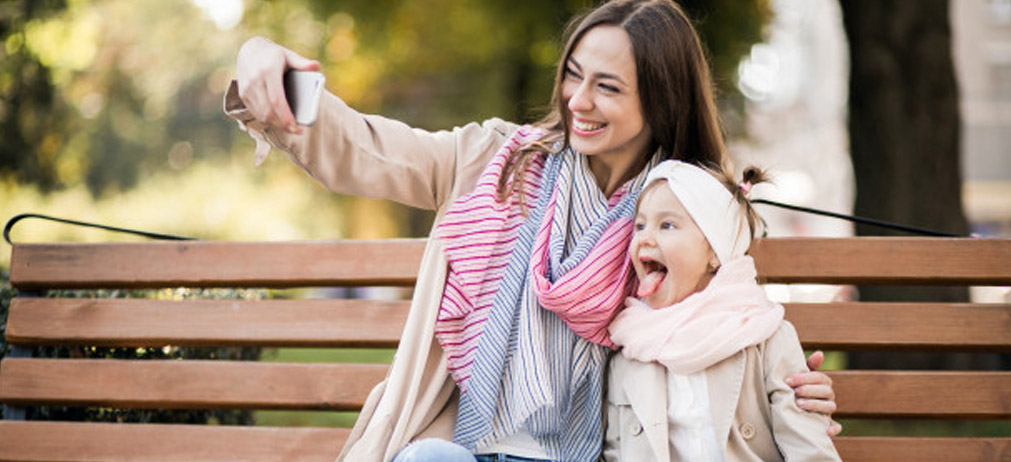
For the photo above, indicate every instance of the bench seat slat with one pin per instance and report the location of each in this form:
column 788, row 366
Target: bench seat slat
column 92, row 442
column 87, row 442
column 392, row 262
column 168, row 384
column 922, row 394
column 155, row 323
column 378, row 324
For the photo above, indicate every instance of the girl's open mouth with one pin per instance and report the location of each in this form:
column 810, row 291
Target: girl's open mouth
column 655, row 275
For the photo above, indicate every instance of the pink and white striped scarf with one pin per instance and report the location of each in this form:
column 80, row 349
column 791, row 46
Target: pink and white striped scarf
column 479, row 233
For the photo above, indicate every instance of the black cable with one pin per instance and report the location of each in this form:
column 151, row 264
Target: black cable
column 17, row 218
column 853, row 218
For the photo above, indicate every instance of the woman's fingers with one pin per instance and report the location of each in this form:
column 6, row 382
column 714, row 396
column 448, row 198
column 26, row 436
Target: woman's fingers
column 814, row 391
column 834, row 428
column 814, row 361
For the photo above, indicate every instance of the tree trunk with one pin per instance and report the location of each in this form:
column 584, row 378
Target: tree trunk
column 904, row 142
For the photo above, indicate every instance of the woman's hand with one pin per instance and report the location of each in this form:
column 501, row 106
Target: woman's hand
column 814, row 391
column 259, row 71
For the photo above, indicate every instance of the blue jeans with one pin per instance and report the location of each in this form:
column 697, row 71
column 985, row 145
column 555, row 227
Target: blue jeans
column 506, row 458
column 434, row 450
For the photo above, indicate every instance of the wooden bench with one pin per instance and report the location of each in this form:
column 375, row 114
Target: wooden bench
column 217, row 384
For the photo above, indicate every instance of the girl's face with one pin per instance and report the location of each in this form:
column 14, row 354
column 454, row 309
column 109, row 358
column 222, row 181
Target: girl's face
column 671, row 256
column 600, row 90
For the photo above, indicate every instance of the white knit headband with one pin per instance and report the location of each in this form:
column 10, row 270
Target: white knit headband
column 710, row 204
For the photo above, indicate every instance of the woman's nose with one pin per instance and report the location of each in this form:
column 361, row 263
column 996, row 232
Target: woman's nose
column 580, row 100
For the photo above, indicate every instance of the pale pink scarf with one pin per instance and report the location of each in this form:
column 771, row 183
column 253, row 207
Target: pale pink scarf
column 730, row 314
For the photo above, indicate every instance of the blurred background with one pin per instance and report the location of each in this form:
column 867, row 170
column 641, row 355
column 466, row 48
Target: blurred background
column 110, row 110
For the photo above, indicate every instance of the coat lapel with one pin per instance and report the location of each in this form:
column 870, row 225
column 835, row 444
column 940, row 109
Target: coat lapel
column 645, row 387
column 724, row 381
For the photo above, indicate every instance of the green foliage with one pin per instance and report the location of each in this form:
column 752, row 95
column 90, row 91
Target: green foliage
column 106, row 93
column 6, row 294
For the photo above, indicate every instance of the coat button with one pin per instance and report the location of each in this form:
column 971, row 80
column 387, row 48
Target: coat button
column 747, row 431
column 634, row 428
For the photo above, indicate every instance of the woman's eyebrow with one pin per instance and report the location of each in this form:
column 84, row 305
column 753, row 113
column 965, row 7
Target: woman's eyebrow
column 599, row 75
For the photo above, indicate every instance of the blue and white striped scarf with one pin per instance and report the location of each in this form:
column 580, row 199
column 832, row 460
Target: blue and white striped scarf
column 531, row 371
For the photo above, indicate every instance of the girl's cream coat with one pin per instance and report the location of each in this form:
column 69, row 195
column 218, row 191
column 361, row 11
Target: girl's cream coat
column 753, row 409
column 371, row 156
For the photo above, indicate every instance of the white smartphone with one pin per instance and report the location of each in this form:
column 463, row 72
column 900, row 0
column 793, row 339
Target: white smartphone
column 303, row 90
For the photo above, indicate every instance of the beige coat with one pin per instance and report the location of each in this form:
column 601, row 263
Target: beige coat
column 754, row 412
column 372, row 156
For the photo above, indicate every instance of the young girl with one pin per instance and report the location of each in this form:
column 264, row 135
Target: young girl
column 704, row 352
column 505, row 346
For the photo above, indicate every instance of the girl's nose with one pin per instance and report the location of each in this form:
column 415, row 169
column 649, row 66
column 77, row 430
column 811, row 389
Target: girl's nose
column 644, row 237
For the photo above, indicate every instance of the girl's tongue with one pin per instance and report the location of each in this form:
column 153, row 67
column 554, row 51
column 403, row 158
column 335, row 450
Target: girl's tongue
column 650, row 283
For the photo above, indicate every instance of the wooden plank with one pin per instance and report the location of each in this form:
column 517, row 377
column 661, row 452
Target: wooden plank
column 884, row 260
column 392, row 262
column 187, row 384
column 155, row 323
column 365, row 323
column 922, row 394
column 947, row 327
column 888, row 449
column 93, row 442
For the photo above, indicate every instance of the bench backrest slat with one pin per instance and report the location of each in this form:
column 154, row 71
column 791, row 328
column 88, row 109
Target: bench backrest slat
column 861, row 326
column 128, row 443
column 884, row 260
column 75, row 442
column 216, row 264
column 395, row 262
column 156, row 323
column 326, row 386
column 171, row 384
column 371, row 323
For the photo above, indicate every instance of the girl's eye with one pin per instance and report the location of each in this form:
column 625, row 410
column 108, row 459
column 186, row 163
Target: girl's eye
column 667, row 225
column 640, row 226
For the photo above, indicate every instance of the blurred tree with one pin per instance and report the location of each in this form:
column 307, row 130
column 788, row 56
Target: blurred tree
column 904, row 140
column 30, row 110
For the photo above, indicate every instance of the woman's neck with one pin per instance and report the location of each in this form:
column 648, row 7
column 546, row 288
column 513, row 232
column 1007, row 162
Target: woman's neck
column 610, row 174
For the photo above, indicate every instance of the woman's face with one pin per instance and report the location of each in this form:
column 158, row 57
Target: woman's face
column 600, row 91
column 671, row 256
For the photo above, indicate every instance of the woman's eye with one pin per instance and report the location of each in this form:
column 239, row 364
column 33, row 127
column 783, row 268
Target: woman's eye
column 571, row 74
column 609, row 88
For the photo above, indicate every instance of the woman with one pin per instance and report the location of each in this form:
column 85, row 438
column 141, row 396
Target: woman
column 498, row 353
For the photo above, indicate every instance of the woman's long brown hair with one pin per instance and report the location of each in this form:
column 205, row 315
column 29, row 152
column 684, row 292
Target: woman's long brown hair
column 675, row 87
